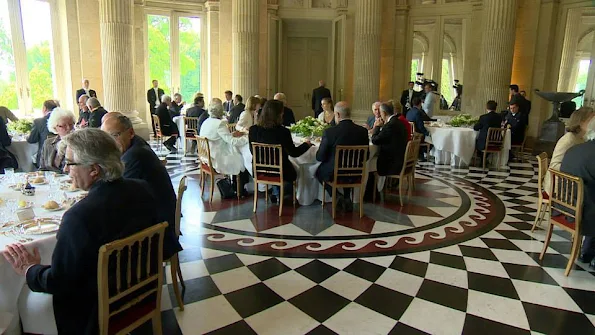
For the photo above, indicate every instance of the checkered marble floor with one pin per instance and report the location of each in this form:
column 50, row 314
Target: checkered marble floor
column 492, row 283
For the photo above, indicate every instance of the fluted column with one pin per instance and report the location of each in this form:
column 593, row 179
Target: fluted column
column 213, row 44
column 497, row 48
column 402, row 65
column 116, row 24
column 245, row 35
column 571, row 33
column 366, row 81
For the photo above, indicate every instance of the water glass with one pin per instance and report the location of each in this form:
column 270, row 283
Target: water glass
column 9, row 172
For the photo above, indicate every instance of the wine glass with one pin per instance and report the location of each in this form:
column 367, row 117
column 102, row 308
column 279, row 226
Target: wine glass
column 9, row 172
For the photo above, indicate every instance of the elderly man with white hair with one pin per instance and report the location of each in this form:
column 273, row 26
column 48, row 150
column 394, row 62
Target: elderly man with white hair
column 288, row 117
column 225, row 158
column 61, row 122
column 375, row 115
column 580, row 161
column 115, row 208
column 167, row 124
column 96, row 113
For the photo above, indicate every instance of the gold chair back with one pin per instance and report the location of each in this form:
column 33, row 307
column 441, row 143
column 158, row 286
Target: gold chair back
column 231, row 127
column 267, row 159
column 411, row 157
column 181, row 190
column 129, row 271
column 543, row 162
column 495, row 138
column 567, row 195
column 412, row 127
column 157, row 124
column 204, row 151
column 191, row 125
column 350, row 161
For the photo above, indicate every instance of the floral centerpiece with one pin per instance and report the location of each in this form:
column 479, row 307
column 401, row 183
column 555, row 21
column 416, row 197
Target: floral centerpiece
column 20, row 127
column 463, row 120
column 309, row 126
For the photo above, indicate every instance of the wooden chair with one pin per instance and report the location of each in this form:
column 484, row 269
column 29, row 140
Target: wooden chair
column 494, row 144
column 566, row 198
column 520, row 148
column 351, row 163
column 407, row 171
column 129, row 278
column 267, row 164
column 176, row 272
column 420, row 136
column 191, row 129
column 544, row 198
column 231, row 127
column 158, row 134
column 412, row 124
column 206, row 166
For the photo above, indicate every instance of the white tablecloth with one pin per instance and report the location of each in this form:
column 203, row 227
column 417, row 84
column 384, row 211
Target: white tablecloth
column 309, row 188
column 456, row 145
column 25, row 153
column 179, row 121
column 33, row 309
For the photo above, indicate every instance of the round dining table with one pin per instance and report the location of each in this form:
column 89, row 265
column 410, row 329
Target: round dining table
column 17, row 303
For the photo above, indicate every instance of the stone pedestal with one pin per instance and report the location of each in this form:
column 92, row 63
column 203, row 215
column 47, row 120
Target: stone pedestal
column 366, row 81
column 245, row 35
column 497, row 47
column 116, row 24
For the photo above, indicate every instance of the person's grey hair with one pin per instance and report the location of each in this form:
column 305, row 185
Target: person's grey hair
column 165, row 98
column 343, row 109
column 57, row 115
column 216, row 108
column 177, row 95
column 578, row 117
column 124, row 121
column 280, row 96
column 93, row 103
column 377, row 103
column 93, row 146
column 387, row 109
column 590, row 134
column 85, row 98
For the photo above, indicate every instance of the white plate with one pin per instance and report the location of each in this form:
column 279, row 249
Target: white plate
column 39, row 226
column 28, row 204
column 53, row 209
column 45, row 181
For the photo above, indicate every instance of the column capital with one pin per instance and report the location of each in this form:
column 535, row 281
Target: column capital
column 272, row 8
column 212, row 6
column 140, row 2
column 476, row 5
column 401, row 9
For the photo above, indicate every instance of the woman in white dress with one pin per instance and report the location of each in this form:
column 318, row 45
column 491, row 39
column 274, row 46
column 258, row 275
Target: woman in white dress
column 327, row 116
column 225, row 155
column 248, row 115
column 575, row 131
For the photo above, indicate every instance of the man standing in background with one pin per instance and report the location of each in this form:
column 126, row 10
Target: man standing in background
column 154, row 95
column 318, row 94
column 85, row 91
column 228, row 103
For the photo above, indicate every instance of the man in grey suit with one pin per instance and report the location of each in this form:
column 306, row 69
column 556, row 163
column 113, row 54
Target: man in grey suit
column 228, row 103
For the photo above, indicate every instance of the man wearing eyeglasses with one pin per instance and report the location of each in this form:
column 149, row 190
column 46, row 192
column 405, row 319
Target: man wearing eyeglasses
column 140, row 162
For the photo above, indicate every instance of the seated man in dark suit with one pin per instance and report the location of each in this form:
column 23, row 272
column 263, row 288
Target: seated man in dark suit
column 168, row 126
column 237, row 109
column 198, row 107
column 391, row 137
column 344, row 133
column 288, row 116
column 517, row 123
column 489, row 120
column 115, row 208
column 140, row 162
column 416, row 115
column 39, row 132
column 176, row 105
column 84, row 112
column 96, row 113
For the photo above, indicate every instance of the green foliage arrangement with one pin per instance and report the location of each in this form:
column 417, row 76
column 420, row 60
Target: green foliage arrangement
column 463, row 120
column 22, row 126
column 309, row 126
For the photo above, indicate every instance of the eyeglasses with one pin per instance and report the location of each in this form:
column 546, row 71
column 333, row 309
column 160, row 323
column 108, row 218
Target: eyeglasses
column 72, row 164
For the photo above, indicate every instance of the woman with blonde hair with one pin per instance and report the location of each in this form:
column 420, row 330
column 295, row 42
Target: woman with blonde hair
column 575, row 132
column 248, row 115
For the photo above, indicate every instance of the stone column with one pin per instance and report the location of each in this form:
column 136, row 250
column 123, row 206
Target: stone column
column 366, row 81
column 470, row 102
column 573, row 22
column 402, row 65
column 497, row 49
column 213, row 60
column 116, row 24
column 245, row 35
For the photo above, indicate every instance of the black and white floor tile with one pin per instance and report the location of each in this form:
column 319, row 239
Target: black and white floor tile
column 489, row 281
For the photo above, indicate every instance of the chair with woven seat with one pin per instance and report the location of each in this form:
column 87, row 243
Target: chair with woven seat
column 267, row 164
column 176, row 272
column 544, row 198
column 351, row 165
column 206, row 166
column 494, row 145
column 129, row 280
column 191, row 129
column 566, row 199
column 407, row 174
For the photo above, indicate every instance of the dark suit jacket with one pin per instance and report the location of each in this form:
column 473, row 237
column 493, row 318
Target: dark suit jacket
column 79, row 92
column 580, row 161
column 96, row 116
column 392, row 143
column 279, row 135
column 486, row 121
column 518, row 125
column 39, row 133
column 201, row 119
column 72, row 276
column 405, row 98
column 83, row 116
column 227, row 105
column 195, row 111
column 168, row 127
column 152, row 99
column 234, row 115
column 288, row 117
column 416, row 116
column 345, row 133
column 524, row 104
column 175, row 109
column 140, row 162
column 317, row 95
